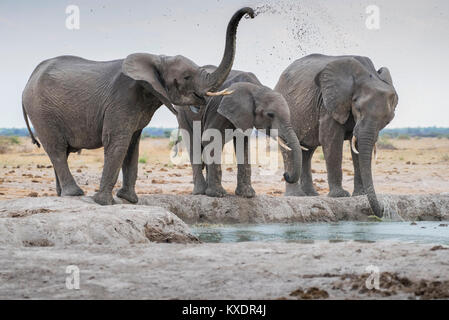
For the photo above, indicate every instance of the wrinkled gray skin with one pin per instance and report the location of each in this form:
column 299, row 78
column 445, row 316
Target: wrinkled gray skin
column 332, row 99
column 250, row 105
column 77, row 104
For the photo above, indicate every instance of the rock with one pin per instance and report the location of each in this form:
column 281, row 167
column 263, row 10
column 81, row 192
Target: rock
column 63, row 221
column 270, row 209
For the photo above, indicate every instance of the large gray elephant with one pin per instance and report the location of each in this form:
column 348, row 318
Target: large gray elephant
column 77, row 104
column 332, row 99
column 250, row 105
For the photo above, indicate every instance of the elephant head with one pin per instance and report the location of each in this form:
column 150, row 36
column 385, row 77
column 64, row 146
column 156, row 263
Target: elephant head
column 178, row 80
column 260, row 107
column 353, row 86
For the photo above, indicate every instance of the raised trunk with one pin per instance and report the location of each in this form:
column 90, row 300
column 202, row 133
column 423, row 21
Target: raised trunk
column 365, row 146
column 215, row 79
column 292, row 175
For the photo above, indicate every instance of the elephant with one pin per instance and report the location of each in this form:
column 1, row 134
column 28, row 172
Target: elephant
column 332, row 99
column 250, row 105
column 77, row 104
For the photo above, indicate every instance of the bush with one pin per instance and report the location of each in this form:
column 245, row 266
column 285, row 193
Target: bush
column 14, row 140
column 404, row 137
column 143, row 160
column 385, row 144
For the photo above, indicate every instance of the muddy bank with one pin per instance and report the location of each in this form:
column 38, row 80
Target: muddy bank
column 62, row 217
column 269, row 209
column 246, row 270
column 47, row 222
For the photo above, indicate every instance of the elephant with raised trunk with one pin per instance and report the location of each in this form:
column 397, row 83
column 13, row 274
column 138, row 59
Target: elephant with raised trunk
column 77, row 104
column 332, row 99
column 251, row 105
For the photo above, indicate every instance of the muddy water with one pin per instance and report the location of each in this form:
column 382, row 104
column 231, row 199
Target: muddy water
column 421, row 232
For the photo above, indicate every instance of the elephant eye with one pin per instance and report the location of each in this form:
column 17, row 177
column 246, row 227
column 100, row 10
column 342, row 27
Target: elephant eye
column 270, row 114
column 187, row 77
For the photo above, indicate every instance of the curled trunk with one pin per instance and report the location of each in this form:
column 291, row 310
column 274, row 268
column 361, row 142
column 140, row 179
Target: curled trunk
column 365, row 146
column 294, row 170
column 215, row 79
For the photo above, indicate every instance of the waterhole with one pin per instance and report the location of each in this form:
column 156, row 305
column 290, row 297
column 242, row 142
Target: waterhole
column 419, row 232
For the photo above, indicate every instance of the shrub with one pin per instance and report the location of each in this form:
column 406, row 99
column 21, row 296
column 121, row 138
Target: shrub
column 14, row 140
column 143, row 160
column 385, row 143
column 404, row 137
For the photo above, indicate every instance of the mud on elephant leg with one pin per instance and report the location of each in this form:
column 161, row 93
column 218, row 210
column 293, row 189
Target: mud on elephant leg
column 244, row 188
column 199, row 183
column 214, row 187
column 65, row 183
column 306, row 173
column 114, row 153
column 333, row 154
column 129, row 169
column 358, row 184
column 58, row 185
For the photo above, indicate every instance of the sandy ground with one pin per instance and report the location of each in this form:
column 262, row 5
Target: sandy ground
column 247, row 270
column 417, row 166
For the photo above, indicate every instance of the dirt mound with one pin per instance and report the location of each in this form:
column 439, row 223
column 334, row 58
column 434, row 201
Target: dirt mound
column 269, row 209
column 391, row 284
column 48, row 222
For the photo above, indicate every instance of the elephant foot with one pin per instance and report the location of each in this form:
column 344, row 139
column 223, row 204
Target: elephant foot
column 199, row 188
column 245, row 191
column 338, row 193
column 104, row 198
column 71, row 191
column 218, row 192
column 294, row 190
column 310, row 191
column 128, row 194
column 358, row 192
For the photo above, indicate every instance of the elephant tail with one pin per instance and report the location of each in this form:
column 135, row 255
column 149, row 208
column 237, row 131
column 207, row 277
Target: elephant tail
column 33, row 139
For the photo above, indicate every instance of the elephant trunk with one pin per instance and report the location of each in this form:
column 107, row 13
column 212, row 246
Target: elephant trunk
column 365, row 143
column 294, row 170
column 215, row 79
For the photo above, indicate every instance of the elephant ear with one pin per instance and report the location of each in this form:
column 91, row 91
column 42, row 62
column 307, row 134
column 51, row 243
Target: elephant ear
column 336, row 81
column 144, row 68
column 385, row 75
column 238, row 107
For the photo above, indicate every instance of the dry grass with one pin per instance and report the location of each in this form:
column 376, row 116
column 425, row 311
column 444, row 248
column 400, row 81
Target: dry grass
column 416, row 166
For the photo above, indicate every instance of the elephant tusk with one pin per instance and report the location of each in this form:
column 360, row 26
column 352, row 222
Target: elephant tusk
column 224, row 92
column 353, row 148
column 283, row 145
column 304, row 148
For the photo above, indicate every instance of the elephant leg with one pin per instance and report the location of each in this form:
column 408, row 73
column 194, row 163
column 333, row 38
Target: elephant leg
column 291, row 189
column 358, row 184
column 306, row 173
column 58, row 185
column 332, row 141
column 214, row 187
column 244, row 188
column 115, row 150
column 129, row 169
column 65, row 183
column 199, row 183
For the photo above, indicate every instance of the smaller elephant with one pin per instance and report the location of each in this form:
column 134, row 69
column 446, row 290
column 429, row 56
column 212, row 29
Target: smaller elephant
column 250, row 105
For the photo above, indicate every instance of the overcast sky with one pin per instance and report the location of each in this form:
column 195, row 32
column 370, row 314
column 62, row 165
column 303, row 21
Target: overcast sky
column 412, row 42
